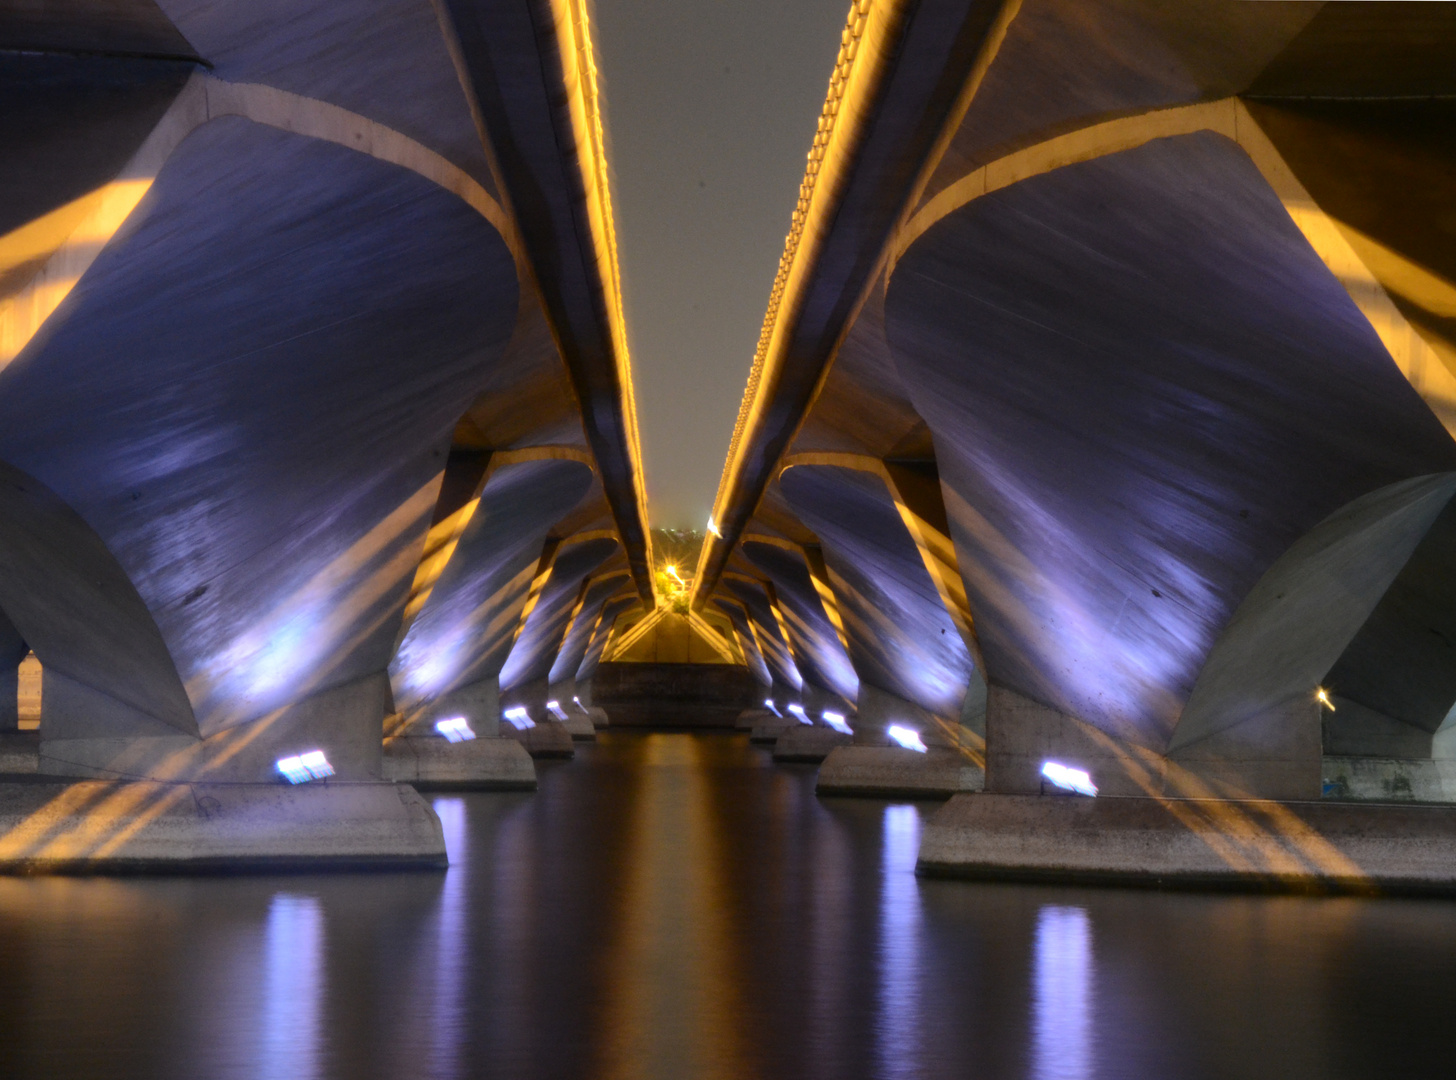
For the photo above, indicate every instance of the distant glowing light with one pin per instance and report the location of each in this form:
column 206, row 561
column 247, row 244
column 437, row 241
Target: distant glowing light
column 1324, row 699
column 771, row 707
column 455, row 729
column 519, row 718
column 909, row 738
column 556, row 710
column 798, row 710
column 578, row 701
column 1069, row 779
column 837, row 722
column 301, row 768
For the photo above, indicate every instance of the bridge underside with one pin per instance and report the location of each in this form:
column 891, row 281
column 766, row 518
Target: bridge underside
column 315, row 414
column 1103, row 416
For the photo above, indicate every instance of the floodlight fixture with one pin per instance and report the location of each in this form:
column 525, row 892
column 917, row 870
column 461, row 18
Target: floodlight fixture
column 909, row 738
column 518, row 718
column 1069, row 779
column 455, row 729
column 301, row 768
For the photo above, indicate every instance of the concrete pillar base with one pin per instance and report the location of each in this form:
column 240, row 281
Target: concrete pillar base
column 346, row 722
column 890, row 771
column 100, row 826
column 547, row 739
column 432, row 763
column 768, row 728
column 579, row 725
column 748, row 719
column 1195, row 843
column 803, row 742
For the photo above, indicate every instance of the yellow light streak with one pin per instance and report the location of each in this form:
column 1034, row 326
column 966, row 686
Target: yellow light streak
column 45, row 258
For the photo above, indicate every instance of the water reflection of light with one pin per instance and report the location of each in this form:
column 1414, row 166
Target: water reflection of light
column 448, row 1020
column 293, row 985
column 899, row 1029
column 1062, row 1028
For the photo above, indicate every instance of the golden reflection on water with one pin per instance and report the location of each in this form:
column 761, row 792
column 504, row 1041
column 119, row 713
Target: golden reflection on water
column 673, row 988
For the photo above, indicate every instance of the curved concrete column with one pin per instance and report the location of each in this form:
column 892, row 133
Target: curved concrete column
column 465, row 630
column 1122, row 461
column 903, row 639
column 814, row 640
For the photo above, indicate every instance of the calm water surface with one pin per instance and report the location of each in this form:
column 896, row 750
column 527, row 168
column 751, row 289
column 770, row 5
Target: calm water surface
column 676, row 906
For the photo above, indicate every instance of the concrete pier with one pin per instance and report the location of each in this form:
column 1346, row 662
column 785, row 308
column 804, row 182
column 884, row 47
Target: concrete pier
column 548, row 739
column 892, row 771
column 97, row 826
column 1259, row 845
column 767, row 728
column 432, row 763
column 806, row 743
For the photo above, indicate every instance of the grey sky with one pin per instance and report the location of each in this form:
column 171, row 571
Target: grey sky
column 711, row 107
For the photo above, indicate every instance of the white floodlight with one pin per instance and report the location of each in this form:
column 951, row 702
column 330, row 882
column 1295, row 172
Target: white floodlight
column 1069, row 779
column 301, row 768
column 455, row 729
column 909, row 738
column 556, row 710
column 768, row 703
column 798, row 710
column 518, row 718
column 837, row 722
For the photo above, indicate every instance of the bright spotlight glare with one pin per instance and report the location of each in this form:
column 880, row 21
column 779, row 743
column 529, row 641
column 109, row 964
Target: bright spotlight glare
column 768, row 704
column 909, row 738
column 455, row 729
column 798, row 710
column 518, row 718
column 837, row 722
column 301, row 768
column 556, row 710
column 1069, row 779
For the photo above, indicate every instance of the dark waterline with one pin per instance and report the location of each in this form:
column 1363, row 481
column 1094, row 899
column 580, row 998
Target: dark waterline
column 675, row 906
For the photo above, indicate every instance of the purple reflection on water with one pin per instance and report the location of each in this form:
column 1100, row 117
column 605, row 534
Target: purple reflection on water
column 292, row 989
column 898, row 1037
column 1062, row 1025
column 449, row 1018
